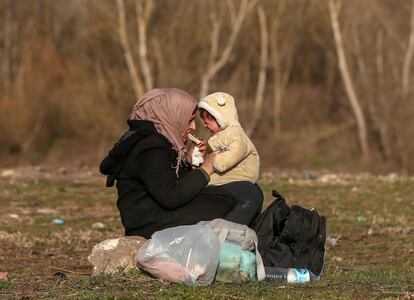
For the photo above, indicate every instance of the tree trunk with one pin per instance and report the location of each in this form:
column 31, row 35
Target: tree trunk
column 143, row 15
column 261, row 82
column 408, row 57
column 280, row 80
column 7, row 48
column 343, row 67
column 133, row 73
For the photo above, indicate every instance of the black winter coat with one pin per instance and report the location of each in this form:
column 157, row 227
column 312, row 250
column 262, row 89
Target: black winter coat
column 150, row 196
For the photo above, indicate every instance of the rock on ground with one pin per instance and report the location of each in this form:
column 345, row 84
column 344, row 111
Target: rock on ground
column 119, row 254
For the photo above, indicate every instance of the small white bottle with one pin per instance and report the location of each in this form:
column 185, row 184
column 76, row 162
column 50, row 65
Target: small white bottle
column 290, row 275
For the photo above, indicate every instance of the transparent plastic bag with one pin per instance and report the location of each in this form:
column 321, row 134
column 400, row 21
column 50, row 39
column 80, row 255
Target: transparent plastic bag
column 186, row 254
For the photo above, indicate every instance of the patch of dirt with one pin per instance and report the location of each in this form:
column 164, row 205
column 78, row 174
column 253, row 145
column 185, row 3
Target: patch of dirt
column 75, row 174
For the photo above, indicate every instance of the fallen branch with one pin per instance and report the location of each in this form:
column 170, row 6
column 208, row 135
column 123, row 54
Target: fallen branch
column 68, row 271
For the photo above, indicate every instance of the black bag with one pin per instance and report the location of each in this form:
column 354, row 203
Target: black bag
column 291, row 237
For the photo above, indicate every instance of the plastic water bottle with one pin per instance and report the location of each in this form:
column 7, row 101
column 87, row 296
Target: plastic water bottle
column 290, row 275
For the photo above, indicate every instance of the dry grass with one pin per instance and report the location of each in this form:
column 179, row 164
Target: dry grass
column 372, row 218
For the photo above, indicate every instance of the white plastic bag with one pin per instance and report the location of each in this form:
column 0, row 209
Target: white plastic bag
column 187, row 254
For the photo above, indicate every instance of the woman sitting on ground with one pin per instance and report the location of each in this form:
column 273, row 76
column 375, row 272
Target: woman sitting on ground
column 157, row 187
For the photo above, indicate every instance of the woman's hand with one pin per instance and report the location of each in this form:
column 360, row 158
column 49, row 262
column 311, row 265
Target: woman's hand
column 209, row 162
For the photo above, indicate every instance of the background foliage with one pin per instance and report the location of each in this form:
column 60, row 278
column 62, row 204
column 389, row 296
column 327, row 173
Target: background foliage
column 66, row 87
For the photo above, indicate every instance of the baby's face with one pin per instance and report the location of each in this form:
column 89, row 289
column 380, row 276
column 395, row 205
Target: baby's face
column 210, row 123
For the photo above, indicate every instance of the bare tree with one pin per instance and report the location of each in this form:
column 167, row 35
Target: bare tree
column 375, row 96
column 7, row 47
column 143, row 16
column 215, row 64
column 133, row 72
column 280, row 75
column 346, row 77
column 381, row 120
column 408, row 56
column 158, row 57
column 232, row 11
column 261, row 82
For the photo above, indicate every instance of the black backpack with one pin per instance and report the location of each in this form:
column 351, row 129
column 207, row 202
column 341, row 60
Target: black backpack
column 291, row 237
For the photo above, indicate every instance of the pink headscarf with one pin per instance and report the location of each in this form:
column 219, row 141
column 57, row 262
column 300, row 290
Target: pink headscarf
column 170, row 110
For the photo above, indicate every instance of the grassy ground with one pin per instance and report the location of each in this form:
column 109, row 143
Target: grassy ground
column 372, row 217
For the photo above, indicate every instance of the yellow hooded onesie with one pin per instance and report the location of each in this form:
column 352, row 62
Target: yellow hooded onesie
column 238, row 159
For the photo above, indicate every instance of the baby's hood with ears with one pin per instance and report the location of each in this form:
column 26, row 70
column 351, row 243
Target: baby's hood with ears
column 222, row 107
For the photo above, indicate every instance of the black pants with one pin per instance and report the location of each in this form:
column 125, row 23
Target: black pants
column 211, row 203
column 249, row 198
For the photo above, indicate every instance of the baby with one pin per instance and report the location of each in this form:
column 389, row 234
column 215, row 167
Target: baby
column 236, row 165
column 238, row 159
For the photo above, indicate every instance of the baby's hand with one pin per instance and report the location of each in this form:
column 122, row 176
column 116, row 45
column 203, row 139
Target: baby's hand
column 201, row 144
column 202, row 147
